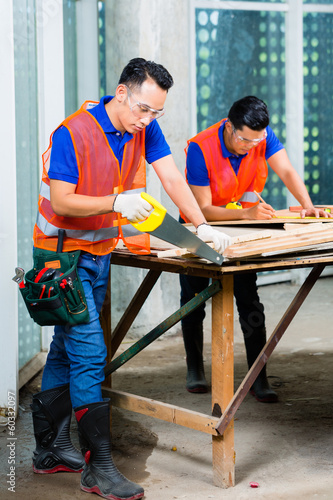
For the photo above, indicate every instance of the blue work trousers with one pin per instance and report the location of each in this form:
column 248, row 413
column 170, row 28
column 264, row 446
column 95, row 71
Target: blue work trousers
column 77, row 353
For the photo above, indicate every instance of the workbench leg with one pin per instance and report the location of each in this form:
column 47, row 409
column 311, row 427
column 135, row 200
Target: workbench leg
column 223, row 380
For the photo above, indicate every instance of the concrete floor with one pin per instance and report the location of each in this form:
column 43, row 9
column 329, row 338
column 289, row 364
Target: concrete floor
column 285, row 447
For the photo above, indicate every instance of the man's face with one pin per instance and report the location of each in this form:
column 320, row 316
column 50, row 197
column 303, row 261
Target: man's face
column 241, row 141
column 140, row 106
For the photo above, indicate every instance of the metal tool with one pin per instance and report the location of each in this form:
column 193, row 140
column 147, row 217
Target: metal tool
column 165, row 227
column 19, row 275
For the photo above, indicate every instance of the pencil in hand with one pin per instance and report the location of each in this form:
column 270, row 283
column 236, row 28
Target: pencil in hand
column 261, row 199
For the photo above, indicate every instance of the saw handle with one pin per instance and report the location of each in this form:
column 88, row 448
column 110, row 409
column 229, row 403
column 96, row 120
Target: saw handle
column 155, row 218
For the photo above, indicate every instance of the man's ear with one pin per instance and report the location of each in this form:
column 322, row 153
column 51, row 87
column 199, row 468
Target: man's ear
column 121, row 93
column 228, row 125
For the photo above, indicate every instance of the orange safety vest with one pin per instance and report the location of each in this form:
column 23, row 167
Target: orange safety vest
column 224, row 184
column 99, row 175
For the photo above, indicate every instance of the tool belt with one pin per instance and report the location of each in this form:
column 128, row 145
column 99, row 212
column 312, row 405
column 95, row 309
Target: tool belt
column 59, row 300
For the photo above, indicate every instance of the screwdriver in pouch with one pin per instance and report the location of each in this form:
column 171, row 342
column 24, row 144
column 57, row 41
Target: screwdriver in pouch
column 68, row 289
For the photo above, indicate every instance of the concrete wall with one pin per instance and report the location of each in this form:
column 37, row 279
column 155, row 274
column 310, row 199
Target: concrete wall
column 156, row 30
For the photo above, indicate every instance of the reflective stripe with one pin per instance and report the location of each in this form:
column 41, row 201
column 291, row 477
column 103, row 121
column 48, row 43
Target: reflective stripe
column 129, row 230
column 101, row 234
column 45, row 191
column 134, row 191
column 249, row 197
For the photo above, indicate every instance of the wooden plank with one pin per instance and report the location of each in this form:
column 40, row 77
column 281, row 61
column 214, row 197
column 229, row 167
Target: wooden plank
column 174, row 252
column 198, row 268
column 304, row 228
column 31, row 368
column 283, row 216
column 269, row 347
column 299, row 240
column 163, row 411
column 299, row 208
column 285, row 263
column 271, row 222
column 194, row 267
column 252, row 236
column 315, row 248
column 223, row 381
column 290, row 214
column 278, row 246
column 292, row 226
column 183, row 252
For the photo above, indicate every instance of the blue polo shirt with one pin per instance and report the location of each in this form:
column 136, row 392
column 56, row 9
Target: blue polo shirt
column 63, row 165
column 197, row 173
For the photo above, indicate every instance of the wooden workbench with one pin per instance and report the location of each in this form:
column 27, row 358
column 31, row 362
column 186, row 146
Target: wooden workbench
column 219, row 422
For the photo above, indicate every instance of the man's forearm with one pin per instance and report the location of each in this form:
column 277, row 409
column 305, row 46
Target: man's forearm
column 186, row 202
column 178, row 190
column 213, row 213
column 297, row 188
column 76, row 205
column 281, row 165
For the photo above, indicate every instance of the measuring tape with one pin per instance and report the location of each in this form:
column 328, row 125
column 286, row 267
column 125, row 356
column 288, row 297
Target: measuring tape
column 297, row 217
column 234, row 205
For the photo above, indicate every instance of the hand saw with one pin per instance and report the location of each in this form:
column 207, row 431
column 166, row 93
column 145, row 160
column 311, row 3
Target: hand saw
column 163, row 226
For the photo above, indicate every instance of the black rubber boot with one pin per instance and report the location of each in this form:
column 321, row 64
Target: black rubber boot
column 193, row 342
column 260, row 389
column 51, row 414
column 100, row 475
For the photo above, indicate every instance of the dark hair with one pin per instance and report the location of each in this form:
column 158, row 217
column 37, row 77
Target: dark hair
column 139, row 70
column 249, row 111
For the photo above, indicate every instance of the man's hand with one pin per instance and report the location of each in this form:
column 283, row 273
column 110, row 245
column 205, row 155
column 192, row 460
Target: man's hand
column 259, row 211
column 132, row 206
column 221, row 240
column 315, row 212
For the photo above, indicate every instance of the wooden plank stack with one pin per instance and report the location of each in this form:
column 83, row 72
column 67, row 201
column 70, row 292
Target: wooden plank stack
column 290, row 238
column 256, row 242
column 281, row 217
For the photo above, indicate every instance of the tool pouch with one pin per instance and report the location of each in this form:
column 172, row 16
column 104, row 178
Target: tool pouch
column 48, row 302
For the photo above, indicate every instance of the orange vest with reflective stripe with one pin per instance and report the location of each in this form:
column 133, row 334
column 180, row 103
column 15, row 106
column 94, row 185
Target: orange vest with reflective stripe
column 224, row 184
column 99, row 175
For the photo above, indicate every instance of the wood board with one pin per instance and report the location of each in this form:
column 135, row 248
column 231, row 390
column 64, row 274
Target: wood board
column 287, row 239
column 183, row 252
column 263, row 242
column 283, row 216
column 256, row 240
column 299, row 208
column 245, row 233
